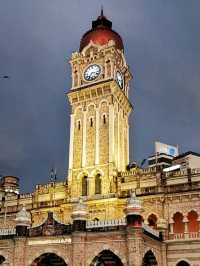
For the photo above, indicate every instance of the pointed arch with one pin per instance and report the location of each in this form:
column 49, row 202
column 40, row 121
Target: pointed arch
column 149, row 259
column 2, row 260
column 152, row 220
column 183, row 263
column 179, row 226
column 193, row 224
column 91, row 106
column 106, row 258
column 49, row 259
column 97, row 171
column 78, row 109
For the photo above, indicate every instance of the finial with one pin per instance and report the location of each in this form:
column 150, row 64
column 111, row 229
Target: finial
column 101, row 10
column 80, row 200
column 53, row 175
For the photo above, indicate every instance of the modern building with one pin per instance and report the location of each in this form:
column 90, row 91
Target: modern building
column 102, row 214
column 160, row 160
column 188, row 159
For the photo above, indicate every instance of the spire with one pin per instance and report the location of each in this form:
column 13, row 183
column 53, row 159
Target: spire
column 53, row 175
column 102, row 11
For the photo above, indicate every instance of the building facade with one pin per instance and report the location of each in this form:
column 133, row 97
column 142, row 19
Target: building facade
column 102, row 214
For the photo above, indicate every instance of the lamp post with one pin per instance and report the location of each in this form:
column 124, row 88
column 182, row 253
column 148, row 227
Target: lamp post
column 4, row 77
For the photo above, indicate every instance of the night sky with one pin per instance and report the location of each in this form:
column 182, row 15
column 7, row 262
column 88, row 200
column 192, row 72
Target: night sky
column 37, row 37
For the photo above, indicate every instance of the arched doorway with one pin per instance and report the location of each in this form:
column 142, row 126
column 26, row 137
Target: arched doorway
column 149, row 259
column 106, row 258
column 183, row 263
column 48, row 259
column 2, row 260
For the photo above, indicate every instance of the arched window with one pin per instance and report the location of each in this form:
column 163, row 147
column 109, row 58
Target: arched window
column 98, row 184
column 183, row 263
column 108, row 66
column 79, row 124
column 84, row 186
column 104, row 119
column 75, row 78
column 91, row 122
column 193, row 224
column 152, row 220
column 179, row 226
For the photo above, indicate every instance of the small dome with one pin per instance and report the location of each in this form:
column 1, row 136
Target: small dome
column 80, row 211
column 134, row 205
column 101, row 33
column 23, row 217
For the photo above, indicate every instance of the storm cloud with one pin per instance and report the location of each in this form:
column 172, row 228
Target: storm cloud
column 37, row 37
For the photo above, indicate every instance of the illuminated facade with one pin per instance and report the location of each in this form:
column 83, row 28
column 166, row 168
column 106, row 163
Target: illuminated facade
column 102, row 214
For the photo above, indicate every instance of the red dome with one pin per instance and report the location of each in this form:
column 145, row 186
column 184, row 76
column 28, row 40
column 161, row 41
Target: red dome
column 101, row 33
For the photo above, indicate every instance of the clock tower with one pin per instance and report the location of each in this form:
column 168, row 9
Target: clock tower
column 99, row 127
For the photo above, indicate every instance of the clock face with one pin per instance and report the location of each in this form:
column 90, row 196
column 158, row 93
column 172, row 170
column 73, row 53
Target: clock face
column 120, row 79
column 92, row 72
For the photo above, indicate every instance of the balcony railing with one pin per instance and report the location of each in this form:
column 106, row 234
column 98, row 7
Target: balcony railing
column 184, row 236
column 7, row 231
column 105, row 223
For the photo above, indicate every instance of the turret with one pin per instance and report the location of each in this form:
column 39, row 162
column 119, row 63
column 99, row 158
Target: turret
column 23, row 222
column 133, row 211
column 10, row 185
column 79, row 216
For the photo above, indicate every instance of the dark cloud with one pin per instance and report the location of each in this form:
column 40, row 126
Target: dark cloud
column 37, row 37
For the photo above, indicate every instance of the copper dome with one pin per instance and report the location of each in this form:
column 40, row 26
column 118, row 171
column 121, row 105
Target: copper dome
column 101, row 33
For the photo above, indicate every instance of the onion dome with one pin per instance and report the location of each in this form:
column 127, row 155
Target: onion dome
column 134, row 206
column 101, row 33
column 80, row 211
column 23, row 218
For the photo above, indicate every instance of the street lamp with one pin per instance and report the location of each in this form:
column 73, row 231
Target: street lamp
column 5, row 77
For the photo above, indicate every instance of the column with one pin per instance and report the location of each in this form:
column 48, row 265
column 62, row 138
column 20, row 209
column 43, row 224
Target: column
column 84, row 139
column 118, row 140
column 171, row 229
column 111, row 133
column 123, row 145
column 19, row 255
column 97, row 137
column 112, row 69
column 73, row 76
column 185, row 220
column 135, row 246
column 79, row 76
column 71, row 144
column 127, row 141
